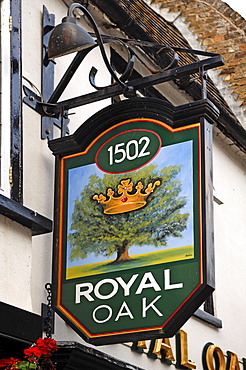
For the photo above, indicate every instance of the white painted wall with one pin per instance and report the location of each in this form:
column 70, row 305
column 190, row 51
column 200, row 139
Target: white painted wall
column 15, row 264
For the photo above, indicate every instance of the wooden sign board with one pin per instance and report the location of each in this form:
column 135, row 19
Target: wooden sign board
column 132, row 234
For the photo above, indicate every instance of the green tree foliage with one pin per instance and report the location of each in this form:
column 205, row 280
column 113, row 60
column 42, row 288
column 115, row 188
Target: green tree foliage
column 92, row 231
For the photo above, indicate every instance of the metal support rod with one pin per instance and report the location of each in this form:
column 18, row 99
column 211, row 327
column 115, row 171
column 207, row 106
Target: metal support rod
column 54, row 112
column 151, row 44
column 79, row 57
column 204, row 77
column 172, row 74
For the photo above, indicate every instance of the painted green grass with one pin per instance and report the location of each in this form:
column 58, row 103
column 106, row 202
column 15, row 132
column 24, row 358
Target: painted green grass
column 146, row 259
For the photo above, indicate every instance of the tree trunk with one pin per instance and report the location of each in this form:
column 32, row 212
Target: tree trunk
column 122, row 252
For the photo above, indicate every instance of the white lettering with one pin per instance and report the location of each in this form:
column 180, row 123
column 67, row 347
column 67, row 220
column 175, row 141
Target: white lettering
column 127, row 313
column 85, row 293
column 106, row 281
column 123, row 151
column 110, row 312
column 145, row 308
column 127, row 286
column 168, row 285
column 108, row 288
column 152, row 283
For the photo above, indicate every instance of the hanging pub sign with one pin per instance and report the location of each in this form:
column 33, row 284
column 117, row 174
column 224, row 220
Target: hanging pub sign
column 133, row 246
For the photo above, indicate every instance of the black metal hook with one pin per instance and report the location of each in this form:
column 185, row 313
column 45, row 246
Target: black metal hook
column 125, row 75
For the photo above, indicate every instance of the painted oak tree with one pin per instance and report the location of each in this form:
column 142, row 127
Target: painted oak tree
column 93, row 231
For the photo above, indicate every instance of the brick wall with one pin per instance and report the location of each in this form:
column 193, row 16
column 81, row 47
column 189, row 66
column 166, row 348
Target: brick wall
column 221, row 30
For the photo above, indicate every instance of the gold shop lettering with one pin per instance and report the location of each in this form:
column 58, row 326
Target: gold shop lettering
column 213, row 357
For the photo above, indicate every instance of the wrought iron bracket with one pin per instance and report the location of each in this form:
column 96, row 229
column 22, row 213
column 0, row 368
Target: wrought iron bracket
column 48, row 120
column 54, row 112
column 34, row 101
column 140, row 83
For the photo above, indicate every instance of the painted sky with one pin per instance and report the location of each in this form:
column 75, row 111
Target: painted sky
column 175, row 155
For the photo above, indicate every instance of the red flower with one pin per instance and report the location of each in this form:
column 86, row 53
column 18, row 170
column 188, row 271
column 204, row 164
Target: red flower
column 32, row 351
column 4, row 362
column 42, row 348
column 47, row 346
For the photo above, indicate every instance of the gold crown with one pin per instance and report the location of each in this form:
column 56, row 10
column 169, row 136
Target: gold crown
column 125, row 202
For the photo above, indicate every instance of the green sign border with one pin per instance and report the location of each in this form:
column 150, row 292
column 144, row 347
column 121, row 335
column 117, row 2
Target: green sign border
column 100, row 128
column 177, row 135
